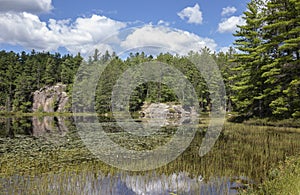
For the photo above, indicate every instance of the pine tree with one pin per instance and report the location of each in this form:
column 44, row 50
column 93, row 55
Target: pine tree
column 248, row 85
column 49, row 77
column 281, row 34
column 23, row 93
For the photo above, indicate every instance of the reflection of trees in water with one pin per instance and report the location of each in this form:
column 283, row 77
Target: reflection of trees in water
column 53, row 129
column 9, row 130
column 49, row 125
column 12, row 126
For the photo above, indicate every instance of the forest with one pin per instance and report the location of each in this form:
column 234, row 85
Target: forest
column 261, row 72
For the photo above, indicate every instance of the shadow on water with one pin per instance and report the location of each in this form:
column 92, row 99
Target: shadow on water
column 45, row 154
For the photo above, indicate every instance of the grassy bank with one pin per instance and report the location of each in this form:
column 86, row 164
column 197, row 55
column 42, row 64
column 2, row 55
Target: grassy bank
column 284, row 179
column 275, row 123
column 290, row 122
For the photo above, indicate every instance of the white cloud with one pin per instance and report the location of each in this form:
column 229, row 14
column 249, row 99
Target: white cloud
column 84, row 34
column 230, row 24
column 31, row 6
column 164, row 23
column 228, row 11
column 27, row 30
column 88, row 49
column 85, row 30
column 193, row 14
column 178, row 41
column 224, row 49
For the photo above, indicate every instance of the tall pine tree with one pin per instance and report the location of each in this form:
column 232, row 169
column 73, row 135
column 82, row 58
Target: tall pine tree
column 248, row 83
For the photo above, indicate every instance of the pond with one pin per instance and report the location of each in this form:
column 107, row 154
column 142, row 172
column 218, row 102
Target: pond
column 42, row 155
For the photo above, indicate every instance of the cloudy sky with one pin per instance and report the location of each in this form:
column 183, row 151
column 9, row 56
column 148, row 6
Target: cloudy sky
column 71, row 26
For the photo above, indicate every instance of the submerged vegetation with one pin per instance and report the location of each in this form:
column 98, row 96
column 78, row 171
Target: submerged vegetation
column 243, row 154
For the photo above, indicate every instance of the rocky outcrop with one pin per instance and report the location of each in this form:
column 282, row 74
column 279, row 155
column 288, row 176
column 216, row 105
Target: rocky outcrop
column 162, row 114
column 51, row 99
column 163, row 110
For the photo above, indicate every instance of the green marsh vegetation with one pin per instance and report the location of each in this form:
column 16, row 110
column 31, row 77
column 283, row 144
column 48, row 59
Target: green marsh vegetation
column 282, row 179
column 242, row 157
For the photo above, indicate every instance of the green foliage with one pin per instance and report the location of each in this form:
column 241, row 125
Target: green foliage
column 284, row 179
column 22, row 74
column 152, row 91
column 267, row 81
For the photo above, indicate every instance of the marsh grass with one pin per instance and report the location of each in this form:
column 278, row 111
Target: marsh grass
column 282, row 179
column 292, row 122
column 242, row 157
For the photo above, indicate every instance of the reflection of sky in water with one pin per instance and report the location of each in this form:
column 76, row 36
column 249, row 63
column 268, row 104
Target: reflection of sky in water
column 120, row 184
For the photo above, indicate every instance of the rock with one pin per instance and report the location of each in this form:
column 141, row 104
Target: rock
column 162, row 114
column 163, row 110
column 50, row 99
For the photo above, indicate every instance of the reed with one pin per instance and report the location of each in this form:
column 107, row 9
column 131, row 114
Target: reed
column 242, row 157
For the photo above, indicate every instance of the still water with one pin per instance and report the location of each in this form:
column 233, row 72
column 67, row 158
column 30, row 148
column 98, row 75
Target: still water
column 45, row 155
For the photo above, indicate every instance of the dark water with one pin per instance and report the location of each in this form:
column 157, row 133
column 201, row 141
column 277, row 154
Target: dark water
column 45, row 155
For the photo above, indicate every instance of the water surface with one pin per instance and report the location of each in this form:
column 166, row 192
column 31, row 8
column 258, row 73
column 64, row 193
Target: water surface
column 43, row 155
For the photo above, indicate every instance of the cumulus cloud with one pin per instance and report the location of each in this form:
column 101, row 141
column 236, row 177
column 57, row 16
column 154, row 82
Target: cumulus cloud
column 26, row 30
column 88, row 49
column 230, row 24
column 193, row 14
column 87, row 33
column 164, row 23
column 85, row 30
column 228, row 11
column 29, row 31
column 84, row 34
column 178, row 41
column 31, row 6
column 224, row 49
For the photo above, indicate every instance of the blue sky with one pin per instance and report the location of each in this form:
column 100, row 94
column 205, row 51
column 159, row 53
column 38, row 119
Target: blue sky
column 71, row 26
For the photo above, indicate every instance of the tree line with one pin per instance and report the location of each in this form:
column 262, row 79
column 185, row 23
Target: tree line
column 23, row 73
column 261, row 74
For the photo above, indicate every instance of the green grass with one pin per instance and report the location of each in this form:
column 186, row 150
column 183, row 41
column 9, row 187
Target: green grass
column 275, row 123
column 284, row 179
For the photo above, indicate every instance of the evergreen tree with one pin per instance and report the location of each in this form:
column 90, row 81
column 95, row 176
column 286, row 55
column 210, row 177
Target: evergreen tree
column 267, row 79
column 248, row 84
column 49, row 77
column 281, row 34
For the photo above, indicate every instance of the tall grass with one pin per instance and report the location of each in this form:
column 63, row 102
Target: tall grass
column 282, row 179
column 241, row 157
